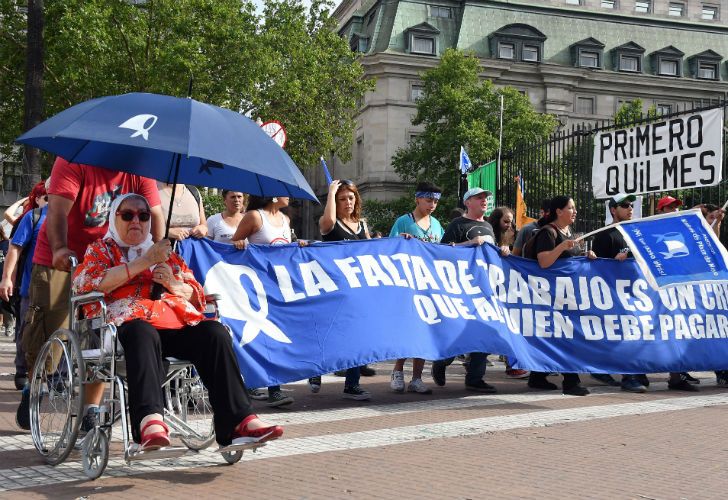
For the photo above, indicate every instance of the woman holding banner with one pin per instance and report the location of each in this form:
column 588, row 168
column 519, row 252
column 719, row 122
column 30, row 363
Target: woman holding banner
column 554, row 240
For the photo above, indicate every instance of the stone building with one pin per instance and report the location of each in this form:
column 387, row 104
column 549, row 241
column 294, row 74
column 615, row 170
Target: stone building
column 577, row 59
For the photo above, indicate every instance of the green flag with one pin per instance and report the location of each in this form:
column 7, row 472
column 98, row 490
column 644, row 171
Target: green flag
column 484, row 178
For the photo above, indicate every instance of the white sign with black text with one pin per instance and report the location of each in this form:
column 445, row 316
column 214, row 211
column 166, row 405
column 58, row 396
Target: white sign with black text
column 684, row 151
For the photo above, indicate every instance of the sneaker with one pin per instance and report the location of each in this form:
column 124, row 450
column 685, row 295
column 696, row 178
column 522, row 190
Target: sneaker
column 357, row 393
column 22, row 415
column 366, row 371
column 437, row 371
column 88, row 421
column 480, row 386
column 642, row 379
column 397, row 381
column 721, row 378
column 276, row 398
column 257, row 394
column 683, row 385
column 540, row 382
column 689, row 378
column 340, row 373
column 575, row 390
column 605, row 379
column 418, row 386
column 519, row 374
column 315, row 384
column 20, row 381
column 633, row 385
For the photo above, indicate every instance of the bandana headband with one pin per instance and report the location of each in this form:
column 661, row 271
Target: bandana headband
column 427, row 194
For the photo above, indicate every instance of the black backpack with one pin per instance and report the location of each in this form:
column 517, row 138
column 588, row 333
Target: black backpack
column 529, row 249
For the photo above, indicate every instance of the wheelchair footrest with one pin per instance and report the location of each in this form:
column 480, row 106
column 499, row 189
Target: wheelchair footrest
column 135, row 453
column 241, row 445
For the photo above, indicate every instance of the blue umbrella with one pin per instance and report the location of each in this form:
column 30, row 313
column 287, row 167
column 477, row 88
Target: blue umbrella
column 172, row 139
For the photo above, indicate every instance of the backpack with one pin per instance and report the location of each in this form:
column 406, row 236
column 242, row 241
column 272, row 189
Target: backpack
column 20, row 265
column 195, row 193
column 529, row 248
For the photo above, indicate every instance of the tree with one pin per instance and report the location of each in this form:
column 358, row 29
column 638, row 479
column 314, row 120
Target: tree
column 459, row 109
column 288, row 64
column 631, row 111
column 33, row 88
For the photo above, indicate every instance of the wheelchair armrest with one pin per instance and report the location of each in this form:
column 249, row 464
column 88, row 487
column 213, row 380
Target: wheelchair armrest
column 87, row 298
column 213, row 297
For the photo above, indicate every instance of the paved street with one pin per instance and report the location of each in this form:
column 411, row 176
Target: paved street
column 453, row 444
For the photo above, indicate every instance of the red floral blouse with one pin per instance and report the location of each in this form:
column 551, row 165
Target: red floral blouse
column 132, row 300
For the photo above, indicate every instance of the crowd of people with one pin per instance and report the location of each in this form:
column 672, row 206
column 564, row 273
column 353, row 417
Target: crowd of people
column 118, row 225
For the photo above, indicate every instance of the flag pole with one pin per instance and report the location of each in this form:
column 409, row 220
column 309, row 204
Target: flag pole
column 725, row 205
column 500, row 143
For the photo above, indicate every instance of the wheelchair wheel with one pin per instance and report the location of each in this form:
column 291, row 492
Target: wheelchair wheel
column 189, row 411
column 232, row 457
column 95, row 453
column 56, row 396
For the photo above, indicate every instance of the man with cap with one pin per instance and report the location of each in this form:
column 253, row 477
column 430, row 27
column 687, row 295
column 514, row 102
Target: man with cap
column 678, row 381
column 473, row 230
column 610, row 244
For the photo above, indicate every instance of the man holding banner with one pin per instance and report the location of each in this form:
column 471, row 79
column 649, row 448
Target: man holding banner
column 470, row 229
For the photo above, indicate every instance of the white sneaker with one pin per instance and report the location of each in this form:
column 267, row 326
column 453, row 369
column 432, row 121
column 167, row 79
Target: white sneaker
column 418, row 386
column 397, row 382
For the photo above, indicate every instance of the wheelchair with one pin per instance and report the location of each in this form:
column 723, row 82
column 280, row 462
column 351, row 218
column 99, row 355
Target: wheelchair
column 88, row 352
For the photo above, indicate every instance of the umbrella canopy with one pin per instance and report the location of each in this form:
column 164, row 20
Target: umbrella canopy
column 149, row 134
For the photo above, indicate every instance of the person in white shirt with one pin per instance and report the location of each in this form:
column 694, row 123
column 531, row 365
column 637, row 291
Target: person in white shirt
column 221, row 227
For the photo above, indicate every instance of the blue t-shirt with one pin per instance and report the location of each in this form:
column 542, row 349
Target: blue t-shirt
column 407, row 224
column 25, row 237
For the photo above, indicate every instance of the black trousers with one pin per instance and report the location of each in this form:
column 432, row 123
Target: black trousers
column 208, row 346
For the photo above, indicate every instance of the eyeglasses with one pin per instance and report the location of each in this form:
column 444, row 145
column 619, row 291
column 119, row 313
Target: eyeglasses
column 128, row 215
column 625, row 204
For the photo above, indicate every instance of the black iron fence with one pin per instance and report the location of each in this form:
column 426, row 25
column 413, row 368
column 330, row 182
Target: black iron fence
column 562, row 165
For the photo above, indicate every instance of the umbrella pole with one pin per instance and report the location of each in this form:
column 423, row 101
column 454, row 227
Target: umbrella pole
column 177, row 159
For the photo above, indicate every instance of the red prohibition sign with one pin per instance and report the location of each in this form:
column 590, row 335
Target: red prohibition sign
column 275, row 131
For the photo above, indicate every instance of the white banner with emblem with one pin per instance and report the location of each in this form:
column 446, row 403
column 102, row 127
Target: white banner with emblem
column 681, row 152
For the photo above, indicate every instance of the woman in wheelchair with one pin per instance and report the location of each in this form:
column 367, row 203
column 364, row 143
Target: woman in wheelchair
column 124, row 265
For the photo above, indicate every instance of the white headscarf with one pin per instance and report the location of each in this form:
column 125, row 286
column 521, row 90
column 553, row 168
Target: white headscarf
column 134, row 251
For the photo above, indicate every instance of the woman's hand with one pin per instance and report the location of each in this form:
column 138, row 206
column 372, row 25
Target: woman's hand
column 591, row 255
column 159, row 252
column 239, row 244
column 178, row 233
column 6, row 289
column 199, row 231
column 164, row 275
column 505, row 251
column 567, row 245
column 334, row 187
column 406, row 236
column 302, row 243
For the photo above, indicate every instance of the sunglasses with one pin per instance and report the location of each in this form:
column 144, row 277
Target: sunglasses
column 45, row 198
column 128, row 215
column 626, row 204
column 347, row 182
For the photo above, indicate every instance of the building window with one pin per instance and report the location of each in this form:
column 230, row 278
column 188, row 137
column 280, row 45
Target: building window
column 629, row 63
column 370, row 18
column 530, row 53
column 588, row 59
column 443, row 12
column 709, row 12
column 585, row 105
column 707, row 71
column 663, row 109
column 643, row 6
column 506, row 51
column 676, row 9
column 573, row 2
column 609, row 4
column 359, row 43
column 668, row 67
column 423, row 45
column 416, row 92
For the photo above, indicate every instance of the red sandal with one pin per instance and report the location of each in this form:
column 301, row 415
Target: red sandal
column 242, row 434
column 154, row 440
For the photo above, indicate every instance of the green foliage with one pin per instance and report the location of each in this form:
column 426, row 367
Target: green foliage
column 381, row 215
column 286, row 64
column 213, row 203
column 631, row 112
column 460, row 109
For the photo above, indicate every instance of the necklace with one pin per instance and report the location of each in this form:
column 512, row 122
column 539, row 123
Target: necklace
column 179, row 199
column 563, row 230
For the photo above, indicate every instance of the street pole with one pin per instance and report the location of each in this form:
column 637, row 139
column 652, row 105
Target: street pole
column 500, row 143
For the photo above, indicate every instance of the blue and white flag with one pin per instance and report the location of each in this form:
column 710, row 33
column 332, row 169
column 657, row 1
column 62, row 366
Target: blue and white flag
column 465, row 164
column 676, row 248
column 329, row 180
column 298, row 312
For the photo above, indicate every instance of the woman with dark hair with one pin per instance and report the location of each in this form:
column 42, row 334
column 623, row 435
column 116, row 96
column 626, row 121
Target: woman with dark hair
column 222, row 226
column 504, row 226
column 265, row 224
column 554, row 240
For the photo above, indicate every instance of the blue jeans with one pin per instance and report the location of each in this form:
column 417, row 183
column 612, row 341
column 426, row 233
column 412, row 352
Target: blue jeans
column 475, row 370
column 352, row 376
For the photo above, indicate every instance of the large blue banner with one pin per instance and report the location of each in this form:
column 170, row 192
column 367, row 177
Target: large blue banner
column 298, row 312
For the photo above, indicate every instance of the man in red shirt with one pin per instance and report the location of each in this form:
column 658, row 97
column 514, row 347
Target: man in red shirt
column 79, row 197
